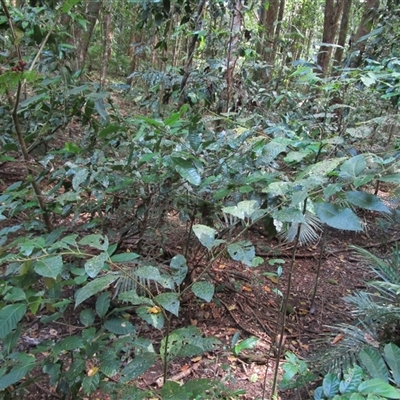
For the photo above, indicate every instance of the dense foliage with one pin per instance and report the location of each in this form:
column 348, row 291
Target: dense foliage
column 106, row 172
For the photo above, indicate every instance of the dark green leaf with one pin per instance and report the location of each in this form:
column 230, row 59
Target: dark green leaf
column 119, row 326
column 103, row 304
column 9, row 317
column 169, row 301
column 374, row 363
column 49, row 267
column 392, row 357
column 367, row 201
column 95, row 264
column 203, row 290
column 124, row 257
column 138, row 366
column 93, row 287
column 330, row 385
column 337, row 217
column 379, row 387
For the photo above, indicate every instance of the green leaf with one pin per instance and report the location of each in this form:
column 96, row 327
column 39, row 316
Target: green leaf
column 154, row 319
column 330, row 385
column 68, row 4
column 95, row 264
column 93, row 287
column 97, row 241
column 336, row 217
column 379, row 387
column 206, row 235
column 119, row 326
column 392, row 357
column 132, row 297
column 138, row 366
column 90, row 383
column 290, row 214
column 49, row 267
column 9, row 317
column 367, row 201
column 79, row 178
column 351, row 381
column 203, row 290
column 174, row 391
column 169, row 301
column 248, row 343
column 87, row 317
column 124, row 257
column 187, row 170
column 103, row 304
column 244, row 209
column 322, row 168
column 353, row 167
column 179, row 268
column 374, row 363
column 110, row 129
column 395, row 178
column 243, row 252
column 17, row 372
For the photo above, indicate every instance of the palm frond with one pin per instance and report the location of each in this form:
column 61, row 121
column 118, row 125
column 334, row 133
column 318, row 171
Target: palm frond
column 310, row 231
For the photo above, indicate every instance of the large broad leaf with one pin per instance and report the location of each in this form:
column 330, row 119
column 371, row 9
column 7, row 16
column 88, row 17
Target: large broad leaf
column 374, row 363
column 353, row 167
column 103, row 304
column 152, row 315
column 330, row 385
column 187, row 170
column 379, row 387
column 395, row 178
column 322, row 168
column 337, row 217
column 206, row 235
column 290, row 214
column 93, row 287
column 351, row 381
column 179, row 268
column 367, row 201
column 392, row 357
column 138, row 366
column 97, row 241
column 203, row 290
column 95, row 264
column 49, row 267
column 18, row 372
column 119, row 326
column 124, row 257
column 243, row 252
column 9, row 317
column 244, row 209
column 169, row 301
column 79, row 178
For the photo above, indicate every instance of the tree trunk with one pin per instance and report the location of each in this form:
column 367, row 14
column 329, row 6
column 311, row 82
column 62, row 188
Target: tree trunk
column 232, row 56
column 191, row 50
column 267, row 24
column 107, row 43
column 367, row 22
column 83, row 38
column 344, row 27
column 333, row 11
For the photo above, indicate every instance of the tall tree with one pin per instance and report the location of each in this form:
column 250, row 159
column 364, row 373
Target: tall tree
column 359, row 40
column 267, row 23
column 343, row 31
column 333, row 11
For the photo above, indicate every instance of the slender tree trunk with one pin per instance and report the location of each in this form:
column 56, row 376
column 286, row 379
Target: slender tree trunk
column 107, row 43
column 191, row 51
column 344, row 27
column 232, row 56
column 365, row 27
column 333, row 11
column 83, row 38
